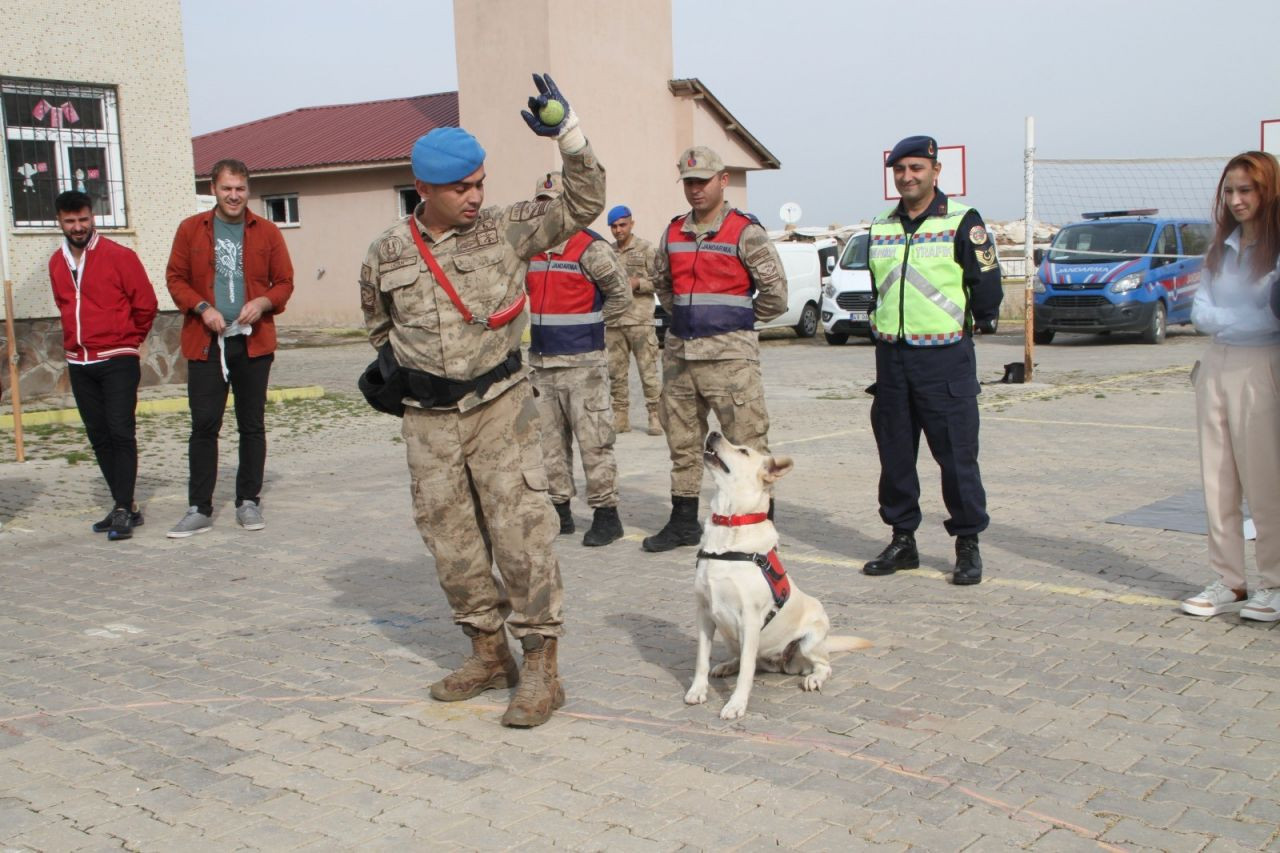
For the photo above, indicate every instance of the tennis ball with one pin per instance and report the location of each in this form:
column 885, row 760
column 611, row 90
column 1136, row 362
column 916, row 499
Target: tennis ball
column 551, row 114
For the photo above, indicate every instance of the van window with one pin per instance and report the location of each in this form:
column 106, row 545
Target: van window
column 1195, row 238
column 1101, row 242
column 855, row 253
column 1166, row 244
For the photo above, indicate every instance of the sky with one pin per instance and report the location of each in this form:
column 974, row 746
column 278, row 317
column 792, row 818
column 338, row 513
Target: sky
column 826, row 86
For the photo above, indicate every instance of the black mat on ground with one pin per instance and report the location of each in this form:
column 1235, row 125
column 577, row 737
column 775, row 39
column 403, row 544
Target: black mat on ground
column 1184, row 513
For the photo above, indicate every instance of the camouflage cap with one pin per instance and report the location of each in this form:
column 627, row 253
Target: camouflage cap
column 549, row 186
column 700, row 162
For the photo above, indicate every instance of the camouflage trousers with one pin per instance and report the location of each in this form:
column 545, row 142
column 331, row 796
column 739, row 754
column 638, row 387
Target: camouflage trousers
column 731, row 388
column 573, row 403
column 479, row 499
column 622, row 342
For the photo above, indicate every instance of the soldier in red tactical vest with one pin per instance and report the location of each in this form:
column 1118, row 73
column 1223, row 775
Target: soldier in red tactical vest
column 718, row 274
column 573, row 289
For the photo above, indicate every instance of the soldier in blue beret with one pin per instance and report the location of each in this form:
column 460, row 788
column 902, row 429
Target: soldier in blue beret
column 444, row 290
column 936, row 282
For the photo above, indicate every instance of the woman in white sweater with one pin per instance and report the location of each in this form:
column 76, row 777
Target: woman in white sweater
column 1238, row 389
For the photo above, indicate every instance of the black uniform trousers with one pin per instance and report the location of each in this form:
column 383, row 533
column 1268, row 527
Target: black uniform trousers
column 106, row 394
column 934, row 390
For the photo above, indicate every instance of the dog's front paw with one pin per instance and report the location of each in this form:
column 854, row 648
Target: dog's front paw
column 733, row 709
column 720, row 670
column 813, row 681
column 697, row 695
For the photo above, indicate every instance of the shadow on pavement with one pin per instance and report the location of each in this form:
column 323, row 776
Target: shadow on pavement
column 659, row 642
column 403, row 601
column 17, row 495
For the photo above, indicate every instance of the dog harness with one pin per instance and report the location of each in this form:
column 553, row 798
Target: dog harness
column 770, row 566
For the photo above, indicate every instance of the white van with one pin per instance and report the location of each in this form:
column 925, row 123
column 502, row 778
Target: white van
column 846, row 299
column 806, row 265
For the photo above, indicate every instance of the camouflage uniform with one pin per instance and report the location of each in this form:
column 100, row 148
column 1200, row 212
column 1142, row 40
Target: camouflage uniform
column 632, row 333
column 719, row 373
column 573, row 395
column 478, row 483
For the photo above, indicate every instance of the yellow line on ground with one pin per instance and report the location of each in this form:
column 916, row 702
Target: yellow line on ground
column 1086, row 424
column 160, row 406
column 1015, row 583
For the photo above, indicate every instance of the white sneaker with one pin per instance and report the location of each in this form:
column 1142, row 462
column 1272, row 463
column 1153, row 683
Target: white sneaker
column 1263, row 605
column 1215, row 598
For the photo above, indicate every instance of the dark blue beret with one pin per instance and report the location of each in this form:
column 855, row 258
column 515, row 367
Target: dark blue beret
column 618, row 213
column 913, row 146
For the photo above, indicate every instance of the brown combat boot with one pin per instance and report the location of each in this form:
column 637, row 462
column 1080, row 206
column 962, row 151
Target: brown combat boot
column 621, row 420
column 490, row 667
column 655, row 425
column 539, row 692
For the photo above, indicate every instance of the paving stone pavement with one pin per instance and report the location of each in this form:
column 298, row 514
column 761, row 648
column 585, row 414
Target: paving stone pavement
column 266, row 690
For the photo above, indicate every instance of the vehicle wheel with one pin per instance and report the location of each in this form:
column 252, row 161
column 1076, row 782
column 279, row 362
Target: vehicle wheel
column 1045, row 337
column 808, row 325
column 836, row 340
column 1155, row 331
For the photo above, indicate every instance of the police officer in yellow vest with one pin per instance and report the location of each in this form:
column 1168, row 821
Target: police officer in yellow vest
column 937, row 282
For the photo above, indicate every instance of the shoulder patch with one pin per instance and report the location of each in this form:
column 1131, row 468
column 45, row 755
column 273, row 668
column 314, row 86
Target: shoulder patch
column 526, row 210
column 977, row 235
column 390, row 248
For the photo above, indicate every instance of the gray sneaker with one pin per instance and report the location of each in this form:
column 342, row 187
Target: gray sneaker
column 192, row 523
column 249, row 516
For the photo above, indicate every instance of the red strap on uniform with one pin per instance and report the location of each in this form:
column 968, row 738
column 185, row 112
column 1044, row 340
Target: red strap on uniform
column 739, row 520
column 493, row 321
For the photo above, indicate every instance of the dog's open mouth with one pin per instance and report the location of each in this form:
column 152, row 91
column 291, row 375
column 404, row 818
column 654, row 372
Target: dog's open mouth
column 710, row 457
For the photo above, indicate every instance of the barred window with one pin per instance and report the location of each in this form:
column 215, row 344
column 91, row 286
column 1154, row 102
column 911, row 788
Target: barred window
column 62, row 136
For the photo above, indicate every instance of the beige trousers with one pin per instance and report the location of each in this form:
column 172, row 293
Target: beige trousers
column 1238, row 412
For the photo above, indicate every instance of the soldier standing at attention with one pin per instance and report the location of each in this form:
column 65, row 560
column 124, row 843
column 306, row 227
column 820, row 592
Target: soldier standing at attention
column 574, row 289
column 937, row 280
column 445, row 289
column 718, row 274
column 632, row 333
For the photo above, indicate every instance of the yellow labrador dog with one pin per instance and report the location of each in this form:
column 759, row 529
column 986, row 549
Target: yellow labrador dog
column 744, row 592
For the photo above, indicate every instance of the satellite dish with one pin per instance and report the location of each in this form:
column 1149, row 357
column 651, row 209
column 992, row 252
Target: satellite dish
column 789, row 213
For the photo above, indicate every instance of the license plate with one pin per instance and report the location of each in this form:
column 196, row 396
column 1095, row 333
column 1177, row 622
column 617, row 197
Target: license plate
column 858, row 316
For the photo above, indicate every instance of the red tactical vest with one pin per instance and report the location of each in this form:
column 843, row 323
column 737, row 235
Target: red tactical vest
column 711, row 288
column 565, row 315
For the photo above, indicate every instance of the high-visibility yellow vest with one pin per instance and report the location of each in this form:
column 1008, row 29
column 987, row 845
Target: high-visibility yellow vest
column 920, row 297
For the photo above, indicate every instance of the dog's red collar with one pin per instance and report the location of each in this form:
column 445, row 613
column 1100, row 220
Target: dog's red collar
column 739, row 520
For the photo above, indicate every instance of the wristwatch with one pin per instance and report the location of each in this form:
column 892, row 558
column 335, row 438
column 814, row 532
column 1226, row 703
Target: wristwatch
column 201, row 308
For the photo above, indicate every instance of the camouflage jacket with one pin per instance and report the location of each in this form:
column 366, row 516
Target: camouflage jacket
column 486, row 263
column 637, row 259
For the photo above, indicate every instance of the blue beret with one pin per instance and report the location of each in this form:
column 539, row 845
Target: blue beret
column 913, row 146
column 618, row 213
column 445, row 155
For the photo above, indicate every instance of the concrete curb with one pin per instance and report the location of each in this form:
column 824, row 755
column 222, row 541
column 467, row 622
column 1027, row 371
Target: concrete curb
column 156, row 407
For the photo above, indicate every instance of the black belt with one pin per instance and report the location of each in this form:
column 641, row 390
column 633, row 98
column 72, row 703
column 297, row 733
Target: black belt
column 432, row 391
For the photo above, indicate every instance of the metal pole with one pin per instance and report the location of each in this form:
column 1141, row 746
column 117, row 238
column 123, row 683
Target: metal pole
column 1028, row 249
column 15, row 393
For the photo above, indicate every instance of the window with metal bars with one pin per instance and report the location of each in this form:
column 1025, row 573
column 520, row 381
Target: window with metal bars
column 62, row 136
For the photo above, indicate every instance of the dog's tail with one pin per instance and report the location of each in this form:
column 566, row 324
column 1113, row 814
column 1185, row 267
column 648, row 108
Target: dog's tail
column 838, row 643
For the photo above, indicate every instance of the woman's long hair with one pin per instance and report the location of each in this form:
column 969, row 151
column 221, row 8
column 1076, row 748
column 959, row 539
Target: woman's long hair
column 1263, row 170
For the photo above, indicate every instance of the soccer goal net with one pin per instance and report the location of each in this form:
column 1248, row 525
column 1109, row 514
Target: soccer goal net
column 1065, row 189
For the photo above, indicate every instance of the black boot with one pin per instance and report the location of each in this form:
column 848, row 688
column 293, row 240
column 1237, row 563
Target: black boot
column 606, row 527
column 566, row 518
column 681, row 529
column 900, row 554
column 968, row 561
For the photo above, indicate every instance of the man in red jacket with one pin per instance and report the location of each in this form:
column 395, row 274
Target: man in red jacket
column 229, row 272
column 107, row 306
